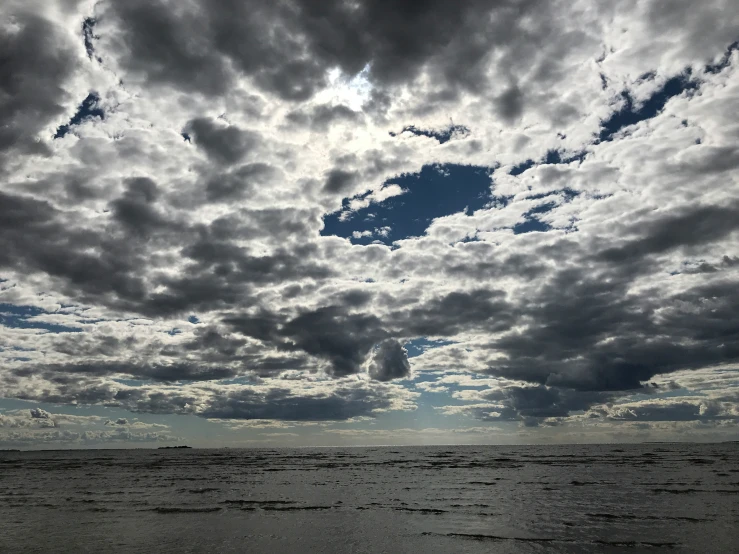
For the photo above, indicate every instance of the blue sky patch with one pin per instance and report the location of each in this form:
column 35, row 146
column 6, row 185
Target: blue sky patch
column 631, row 114
column 416, row 347
column 89, row 35
column 133, row 382
column 569, row 195
column 88, row 110
column 435, row 191
column 551, row 157
column 442, row 135
column 533, row 223
column 520, row 168
column 22, row 317
column 725, row 60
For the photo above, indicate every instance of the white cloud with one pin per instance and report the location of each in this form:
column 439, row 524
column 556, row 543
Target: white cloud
column 123, row 229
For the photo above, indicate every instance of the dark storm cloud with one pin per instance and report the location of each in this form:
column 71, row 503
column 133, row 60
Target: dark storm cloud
column 62, row 374
column 222, row 143
column 22, row 212
column 585, row 335
column 593, row 336
column 95, row 346
column 532, row 403
column 692, row 227
column 104, row 265
column 35, row 64
column 215, row 346
column 550, row 401
column 331, row 333
column 702, row 268
column 341, row 402
column 355, row 298
column 279, row 223
column 208, row 338
column 38, row 413
column 338, row 180
column 345, row 339
column 237, row 184
column 282, row 404
column 455, row 312
column 36, row 236
column 287, row 47
column 523, row 266
column 389, row 361
column 67, row 190
column 320, row 118
column 670, row 409
column 568, row 319
column 136, row 210
column 221, row 275
column 509, row 105
column 157, row 37
column 586, row 332
column 714, row 159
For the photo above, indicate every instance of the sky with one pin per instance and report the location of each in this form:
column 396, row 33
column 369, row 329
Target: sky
column 242, row 223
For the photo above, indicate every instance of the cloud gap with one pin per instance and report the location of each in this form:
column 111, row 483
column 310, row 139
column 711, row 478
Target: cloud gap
column 88, row 33
column 22, row 317
column 632, row 113
column 87, row 110
column 435, row 191
column 442, row 135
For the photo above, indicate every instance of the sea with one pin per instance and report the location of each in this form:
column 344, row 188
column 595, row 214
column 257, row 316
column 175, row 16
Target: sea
column 448, row 499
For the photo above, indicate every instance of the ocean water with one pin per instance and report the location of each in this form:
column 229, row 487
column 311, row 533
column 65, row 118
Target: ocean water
column 451, row 499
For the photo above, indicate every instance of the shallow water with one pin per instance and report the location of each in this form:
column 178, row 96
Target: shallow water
column 595, row 498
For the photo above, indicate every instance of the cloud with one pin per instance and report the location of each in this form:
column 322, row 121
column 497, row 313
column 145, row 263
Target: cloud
column 270, row 203
column 300, row 399
column 319, row 118
column 289, row 50
column 38, row 62
column 331, row 332
column 661, row 400
column 509, row 105
column 693, row 227
column 528, row 404
column 38, row 413
column 343, row 403
column 225, row 144
column 34, row 427
column 389, row 361
column 338, row 180
column 242, row 181
column 25, row 439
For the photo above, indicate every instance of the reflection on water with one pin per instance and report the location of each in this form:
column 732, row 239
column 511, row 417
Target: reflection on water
column 601, row 498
